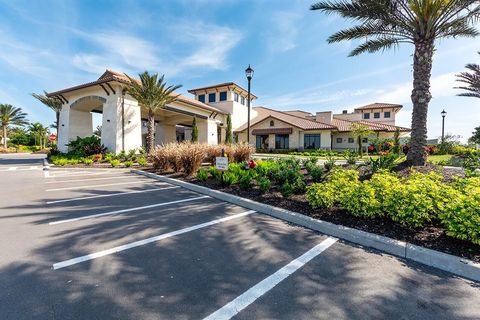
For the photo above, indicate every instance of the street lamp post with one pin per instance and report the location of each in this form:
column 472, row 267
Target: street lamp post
column 249, row 74
column 443, row 113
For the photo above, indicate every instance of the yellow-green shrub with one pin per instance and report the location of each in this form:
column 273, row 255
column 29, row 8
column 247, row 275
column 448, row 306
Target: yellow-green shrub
column 320, row 195
column 360, row 200
column 462, row 217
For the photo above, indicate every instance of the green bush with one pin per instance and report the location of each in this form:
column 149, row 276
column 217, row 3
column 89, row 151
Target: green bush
column 87, row 146
column 360, row 200
column 88, row 161
column 330, row 163
column 320, row 195
column 263, row 183
column 351, row 157
column 128, row 163
column 110, row 156
column 142, row 161
column 215, row 173
column 202, row 175
column 462, row 217
column 383, row 162
column 245, row 181
column 115, row 163
column 286, row 190
column 316, row 172
column 229, row 178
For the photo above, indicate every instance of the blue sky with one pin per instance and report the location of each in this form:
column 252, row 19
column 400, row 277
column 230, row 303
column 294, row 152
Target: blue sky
column 50, row 45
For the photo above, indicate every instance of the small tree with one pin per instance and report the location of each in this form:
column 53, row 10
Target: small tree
column 475, row 138
column 228, row 133
column 194, row 130
column 358, row 132
column 11, row 116
column 396, row 142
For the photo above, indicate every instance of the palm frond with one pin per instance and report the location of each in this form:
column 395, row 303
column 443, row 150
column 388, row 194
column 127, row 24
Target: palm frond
column 375, row 45
column 53, row 103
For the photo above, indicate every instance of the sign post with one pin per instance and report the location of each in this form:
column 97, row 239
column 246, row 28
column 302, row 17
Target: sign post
column 221, row 163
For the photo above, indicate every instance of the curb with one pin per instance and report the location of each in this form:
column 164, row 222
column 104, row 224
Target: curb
column 459, row 266
column 46, row 165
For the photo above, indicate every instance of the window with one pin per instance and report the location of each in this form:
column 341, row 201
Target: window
column 366, row 116
column 386, row 114
column 223, row 96
column 350, row 140
column 201, row 98
column 235, row 97
column 281, row 141
column 376, row 115
column 211, row 97
column 272, row 123
column 364, row 140
column 311, row 141
column 262, row 142
column 242, row 100
column 339, row 140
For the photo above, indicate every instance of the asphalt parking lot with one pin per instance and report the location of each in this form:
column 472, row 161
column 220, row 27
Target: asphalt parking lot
column 108, row 244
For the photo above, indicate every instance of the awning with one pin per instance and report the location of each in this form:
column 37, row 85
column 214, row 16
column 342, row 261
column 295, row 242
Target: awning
column 257, row 132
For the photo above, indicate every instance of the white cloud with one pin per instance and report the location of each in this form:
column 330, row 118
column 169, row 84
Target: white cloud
column 282, row 31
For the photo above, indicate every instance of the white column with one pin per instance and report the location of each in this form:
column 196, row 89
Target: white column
column 133, row 125
column 207, row 131
column 110, row 125
column 63, row 128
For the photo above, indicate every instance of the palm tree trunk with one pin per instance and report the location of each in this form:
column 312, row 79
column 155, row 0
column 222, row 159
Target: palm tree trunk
column 5, row 136
column 422, row 69
column 360, row 149
column 150, row 132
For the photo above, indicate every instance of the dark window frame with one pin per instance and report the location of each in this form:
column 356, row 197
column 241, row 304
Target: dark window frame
column 236, row 96
column 210, row 95
column 376, row 115
column 282, row 141
column 365, row 140
column 261, row 141
column 339, row 140
column 366, row 116
column 272, row 123
column 222, row 96
column 242, row 100
column 201, row 98
column 387, row 114
column 312, row 141
column 351, row 140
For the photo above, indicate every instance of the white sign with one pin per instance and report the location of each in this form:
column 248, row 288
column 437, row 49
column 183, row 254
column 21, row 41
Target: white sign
column 222, row 163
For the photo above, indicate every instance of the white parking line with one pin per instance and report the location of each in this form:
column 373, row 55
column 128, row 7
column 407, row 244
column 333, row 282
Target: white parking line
column 248, row 297
column 126, row 210
column 94, row 186
column 93, row 179
column 110, row 195
column 70, row 174
column 124, row 247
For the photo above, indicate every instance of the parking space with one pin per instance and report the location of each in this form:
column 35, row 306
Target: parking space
column 108, row 244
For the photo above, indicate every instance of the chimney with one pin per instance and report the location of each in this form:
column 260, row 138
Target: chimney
column 345, row 111
column 324, row 117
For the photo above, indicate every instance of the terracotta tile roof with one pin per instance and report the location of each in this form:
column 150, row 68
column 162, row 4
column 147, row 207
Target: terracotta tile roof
column 344, row 126
column 225, row 84
column 299, row 122
column 299, row 113
column 110, row 75
column 272, row 131
column 379, row 105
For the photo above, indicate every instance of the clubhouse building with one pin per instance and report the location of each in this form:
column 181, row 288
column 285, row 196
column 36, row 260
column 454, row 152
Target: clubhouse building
column 124, row 121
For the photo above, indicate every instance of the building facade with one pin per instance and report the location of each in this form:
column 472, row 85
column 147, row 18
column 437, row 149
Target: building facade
column 124, row 121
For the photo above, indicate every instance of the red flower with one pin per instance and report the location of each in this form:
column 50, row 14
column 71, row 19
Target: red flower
column 252, row 164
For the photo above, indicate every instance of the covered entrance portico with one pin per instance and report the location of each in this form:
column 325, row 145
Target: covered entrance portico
column 124, row 122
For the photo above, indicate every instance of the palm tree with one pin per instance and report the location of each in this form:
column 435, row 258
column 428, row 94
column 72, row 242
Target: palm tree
column 472, row 79
column 385, row 24
column 53, row 103
column 11, row 116
column 152, row 94
column 40, row 132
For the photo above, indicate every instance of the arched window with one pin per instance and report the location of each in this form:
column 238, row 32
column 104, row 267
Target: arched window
column 272, row 124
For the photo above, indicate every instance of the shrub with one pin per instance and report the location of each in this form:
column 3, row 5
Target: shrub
column 316, row 172
column 228, row 178
column 288, row 172
column 320, row 195
column 167, row 157
column 215, row 173
column 264, row 184
column 245, row 181
column 110, row 156
column 86, row 146
column 351, row 157
column 211, row 152
column 242, row 152
column 360, row 200
column 462, row 219
column 88, row 161
column 60, row 161
column 383, row 162
column 472, row 166
column 384, row 184
column 115, row 163
column 191, row 157
column 330, row 163
column 202, row 175
column 97, row 157
column 128, row 163
column 286, row 190
column 142, row 161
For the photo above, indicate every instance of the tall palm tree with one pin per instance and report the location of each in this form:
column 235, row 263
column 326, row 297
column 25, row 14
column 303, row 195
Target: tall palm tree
column 39, row 131
column 472, row 79
column 11, row 116
column 53, row 103
column 152, row 94
column 385, row 24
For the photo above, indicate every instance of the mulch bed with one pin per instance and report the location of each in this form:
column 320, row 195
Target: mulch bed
column 431, row 236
